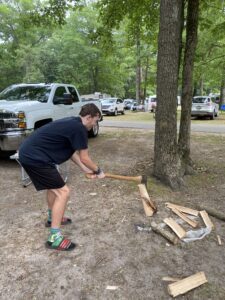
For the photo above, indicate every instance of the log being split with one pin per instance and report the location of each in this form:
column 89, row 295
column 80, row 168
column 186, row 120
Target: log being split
column 145, row 196
column 147, row 208
column 184, row 285
column 163, row 232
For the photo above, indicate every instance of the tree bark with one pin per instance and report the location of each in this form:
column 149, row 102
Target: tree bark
column 146, row 78
column 222, row 88
column 138, row 69
column 166, row 158
column 187, row 85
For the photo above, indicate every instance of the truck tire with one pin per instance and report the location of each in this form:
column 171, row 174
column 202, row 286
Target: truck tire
column 94, row 131
column 40, row 123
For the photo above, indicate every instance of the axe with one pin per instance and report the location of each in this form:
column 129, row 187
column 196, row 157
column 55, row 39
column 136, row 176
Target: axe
column 139, row 179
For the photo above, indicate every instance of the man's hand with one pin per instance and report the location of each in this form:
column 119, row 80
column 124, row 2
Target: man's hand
column 101, row 175
column 94, row 176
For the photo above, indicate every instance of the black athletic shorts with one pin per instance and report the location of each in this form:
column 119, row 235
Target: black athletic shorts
column 44, row 177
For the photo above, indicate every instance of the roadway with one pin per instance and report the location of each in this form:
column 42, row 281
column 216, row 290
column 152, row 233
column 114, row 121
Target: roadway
column 212, row 128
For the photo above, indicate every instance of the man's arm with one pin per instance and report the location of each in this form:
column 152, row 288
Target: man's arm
column 84, row 161
column 76, row 159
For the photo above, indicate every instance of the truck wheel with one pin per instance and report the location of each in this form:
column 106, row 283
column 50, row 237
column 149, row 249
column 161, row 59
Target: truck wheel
column 123, row 112
column 115, row 112
column 94, row 131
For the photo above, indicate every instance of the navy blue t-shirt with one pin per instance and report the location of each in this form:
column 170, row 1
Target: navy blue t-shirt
column 54, row 143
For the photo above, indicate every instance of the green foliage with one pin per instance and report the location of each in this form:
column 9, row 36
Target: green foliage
column 210, row 57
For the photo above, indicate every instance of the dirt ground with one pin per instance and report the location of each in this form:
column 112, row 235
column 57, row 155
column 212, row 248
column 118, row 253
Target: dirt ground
column 111, row 250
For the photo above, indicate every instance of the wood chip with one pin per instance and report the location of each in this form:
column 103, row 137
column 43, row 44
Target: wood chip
column 112, row 287
column 184, row 285
column 219, row 240
column 168, row 278
column 180, row 232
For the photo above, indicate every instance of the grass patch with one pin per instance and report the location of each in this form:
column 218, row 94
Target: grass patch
column 132, row 116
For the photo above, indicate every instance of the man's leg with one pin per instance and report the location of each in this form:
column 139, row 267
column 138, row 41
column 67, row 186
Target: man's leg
column 58, row 205
column 51, row 196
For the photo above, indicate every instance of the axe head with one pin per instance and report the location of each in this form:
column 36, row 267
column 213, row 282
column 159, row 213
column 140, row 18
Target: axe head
column 144, row 180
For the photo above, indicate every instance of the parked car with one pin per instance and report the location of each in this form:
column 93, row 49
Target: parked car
column 137, row 107
column 204, row 106
column 112, row 106
column 128, row 103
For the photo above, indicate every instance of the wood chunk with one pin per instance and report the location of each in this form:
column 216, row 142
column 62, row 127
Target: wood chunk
column 165, row 233
column 219, row 240
column 180, row 232
column 206, row 219
column 185, row 218
column 186, row 210
column 184, row 285
column 145, row 195
column 147, row 208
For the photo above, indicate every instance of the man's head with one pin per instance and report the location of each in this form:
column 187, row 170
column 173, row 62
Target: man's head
column 90, row 115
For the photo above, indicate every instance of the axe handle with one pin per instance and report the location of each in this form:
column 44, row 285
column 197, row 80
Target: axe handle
column 129, row 178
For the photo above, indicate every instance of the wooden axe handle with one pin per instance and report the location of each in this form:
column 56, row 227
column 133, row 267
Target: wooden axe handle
column 129, row 178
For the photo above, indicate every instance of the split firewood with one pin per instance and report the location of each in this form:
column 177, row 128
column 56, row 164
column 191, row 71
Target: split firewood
column 219, row 240
column 164, row 233
column 206, row 219
column 184, row 209
column 185, row 218
column 184, row 285
column 145, row 195
column 180, row 232
column 213, row 212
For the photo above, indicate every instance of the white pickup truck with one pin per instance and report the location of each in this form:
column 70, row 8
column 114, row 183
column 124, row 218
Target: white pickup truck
column 26, row 107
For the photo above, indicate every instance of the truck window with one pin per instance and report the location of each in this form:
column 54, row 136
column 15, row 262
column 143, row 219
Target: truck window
column 26, row 93
column 59, row 93
column 73, row 92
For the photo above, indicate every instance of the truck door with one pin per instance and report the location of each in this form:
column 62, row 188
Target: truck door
column 76, row 106
column 60, row 110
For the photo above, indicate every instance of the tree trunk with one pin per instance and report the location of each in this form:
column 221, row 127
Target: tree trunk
column 201, row 86
column 187, row 85
column 138, row 69
column 166, row 158
column 222, row 88
column 146, row 77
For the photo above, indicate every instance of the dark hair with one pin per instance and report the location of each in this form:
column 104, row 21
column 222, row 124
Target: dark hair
column 90, row 109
